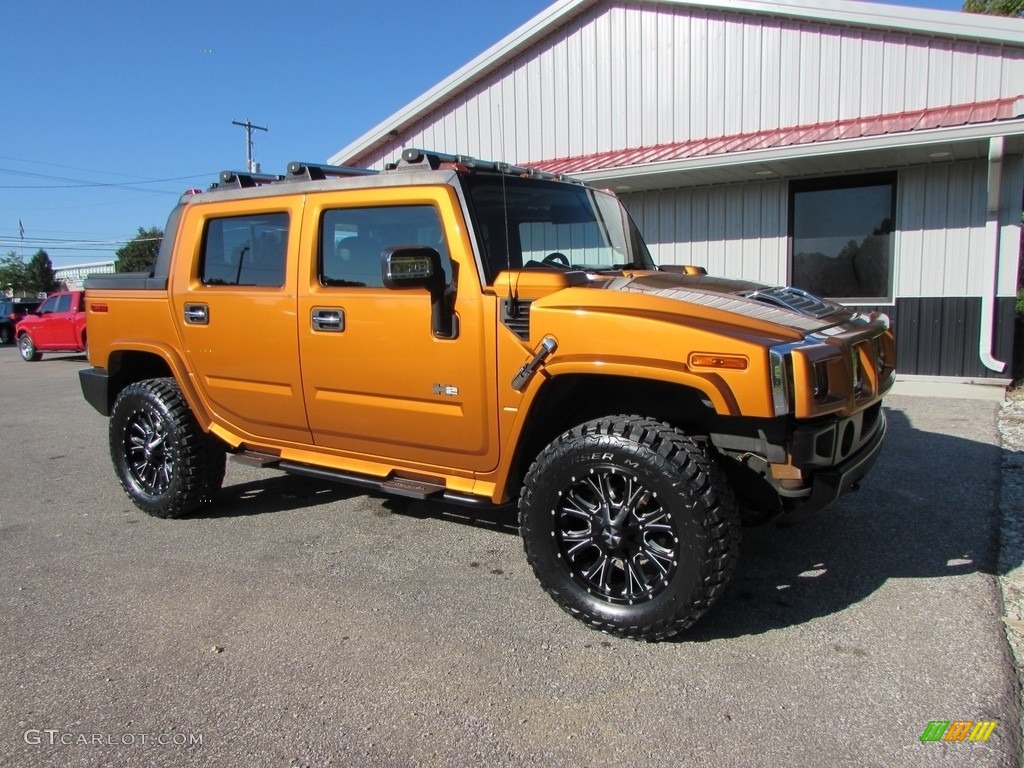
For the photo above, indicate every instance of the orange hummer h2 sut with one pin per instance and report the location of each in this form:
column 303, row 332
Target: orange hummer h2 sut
column 485, row 334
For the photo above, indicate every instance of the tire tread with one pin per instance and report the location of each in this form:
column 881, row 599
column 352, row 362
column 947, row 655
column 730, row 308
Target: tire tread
column 693, row 461
column 202, row 458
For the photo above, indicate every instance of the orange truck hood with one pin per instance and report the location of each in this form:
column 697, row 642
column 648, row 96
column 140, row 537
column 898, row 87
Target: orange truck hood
column 774, row 312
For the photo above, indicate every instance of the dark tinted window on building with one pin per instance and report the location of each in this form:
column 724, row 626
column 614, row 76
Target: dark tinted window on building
column 841, row 235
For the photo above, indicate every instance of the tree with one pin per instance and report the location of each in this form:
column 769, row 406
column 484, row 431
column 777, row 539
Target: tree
column 140, row 253
column 996, row 7
column 12, row 273
column 39, row 276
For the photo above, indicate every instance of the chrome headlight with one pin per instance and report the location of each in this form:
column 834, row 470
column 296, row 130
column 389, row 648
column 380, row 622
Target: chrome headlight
column 781, row 365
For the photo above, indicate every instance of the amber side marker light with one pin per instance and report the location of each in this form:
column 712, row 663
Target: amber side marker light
column 728, row 362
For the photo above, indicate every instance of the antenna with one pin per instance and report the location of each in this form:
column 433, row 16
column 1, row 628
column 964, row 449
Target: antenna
column 249, row 128
column 512, row 303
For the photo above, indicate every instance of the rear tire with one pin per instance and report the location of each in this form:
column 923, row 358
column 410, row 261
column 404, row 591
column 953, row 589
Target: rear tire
column 629, row 525
column 166, row 464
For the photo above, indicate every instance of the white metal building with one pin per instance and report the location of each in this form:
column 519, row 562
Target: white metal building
column 870, row 153
column 73, row 277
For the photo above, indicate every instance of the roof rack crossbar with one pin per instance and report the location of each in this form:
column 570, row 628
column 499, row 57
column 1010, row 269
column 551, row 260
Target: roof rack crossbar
column 320, row 171
column 414, row 156
column 245, row 179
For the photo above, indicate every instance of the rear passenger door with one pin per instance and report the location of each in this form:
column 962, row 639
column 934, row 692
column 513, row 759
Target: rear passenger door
column 234, row 303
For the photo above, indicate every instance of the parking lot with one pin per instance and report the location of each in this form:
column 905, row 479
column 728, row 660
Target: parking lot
column 298, row 623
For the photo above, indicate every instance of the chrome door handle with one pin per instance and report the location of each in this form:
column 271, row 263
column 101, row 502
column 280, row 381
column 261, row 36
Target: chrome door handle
column 328, row 319
column 197, row 314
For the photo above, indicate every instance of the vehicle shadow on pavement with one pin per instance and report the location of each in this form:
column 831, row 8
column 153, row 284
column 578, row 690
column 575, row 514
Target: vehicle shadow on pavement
column 928, row 508
column 63, row 357
column 273, row 494
column 286, row 492
column 502, row 519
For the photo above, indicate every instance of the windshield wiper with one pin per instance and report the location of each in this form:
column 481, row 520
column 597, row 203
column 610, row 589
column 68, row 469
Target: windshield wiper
column 620, row 267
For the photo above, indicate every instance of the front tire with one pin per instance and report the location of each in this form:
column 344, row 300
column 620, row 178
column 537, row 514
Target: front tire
column 28, row 350
column 166, row 464
column 629, row 525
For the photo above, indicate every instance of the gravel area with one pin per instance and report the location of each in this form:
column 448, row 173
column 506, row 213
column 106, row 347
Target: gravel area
column 1011, row 550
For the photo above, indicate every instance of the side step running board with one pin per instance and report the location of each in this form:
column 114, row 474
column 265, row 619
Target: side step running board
column 414, row 489
column 254, row 459
column 396, row 486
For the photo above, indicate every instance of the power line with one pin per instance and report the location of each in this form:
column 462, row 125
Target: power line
column 83, row 184
column 29, row 246
column 73, row 168
column 117, row 241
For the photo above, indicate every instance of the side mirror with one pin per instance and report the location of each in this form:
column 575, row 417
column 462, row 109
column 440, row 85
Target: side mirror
column 415, row 266
column 411, row 267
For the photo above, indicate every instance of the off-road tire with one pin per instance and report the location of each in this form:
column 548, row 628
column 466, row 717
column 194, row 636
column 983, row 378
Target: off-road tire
column 669, row 556
column 166, row 464
column 28, row 350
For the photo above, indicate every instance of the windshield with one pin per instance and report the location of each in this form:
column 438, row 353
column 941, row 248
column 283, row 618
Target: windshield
column 535, row 224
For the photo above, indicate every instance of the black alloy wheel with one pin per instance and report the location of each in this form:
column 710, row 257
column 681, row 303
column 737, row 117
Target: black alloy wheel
column 166, row 464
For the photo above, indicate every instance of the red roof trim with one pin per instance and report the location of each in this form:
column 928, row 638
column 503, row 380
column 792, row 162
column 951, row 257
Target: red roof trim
column 875, row 125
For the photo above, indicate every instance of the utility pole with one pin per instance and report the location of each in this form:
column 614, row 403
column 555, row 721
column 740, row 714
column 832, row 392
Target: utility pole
column 249, row 128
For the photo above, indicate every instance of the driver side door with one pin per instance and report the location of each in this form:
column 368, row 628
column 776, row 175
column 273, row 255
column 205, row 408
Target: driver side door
column 377, row 380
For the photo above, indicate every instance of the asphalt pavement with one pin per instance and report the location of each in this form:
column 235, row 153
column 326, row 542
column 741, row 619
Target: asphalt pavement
column 298, row 623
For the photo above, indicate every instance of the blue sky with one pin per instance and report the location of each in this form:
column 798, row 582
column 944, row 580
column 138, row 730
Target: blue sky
column 113, row 108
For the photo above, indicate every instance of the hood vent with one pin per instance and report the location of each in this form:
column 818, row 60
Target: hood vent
column 796, row 300
column 515, row 315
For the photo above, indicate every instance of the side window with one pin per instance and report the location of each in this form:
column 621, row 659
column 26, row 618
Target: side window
column 245, row 250
column 50, row 305
column 352, row 240
column 63, row 303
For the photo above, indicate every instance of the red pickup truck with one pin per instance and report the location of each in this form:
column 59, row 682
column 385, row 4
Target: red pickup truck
column 58, row 325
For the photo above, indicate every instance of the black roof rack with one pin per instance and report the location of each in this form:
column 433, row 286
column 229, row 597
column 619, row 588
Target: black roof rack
column 417, row 157
column 321, row 171
column 244, row 179
column 412, row 160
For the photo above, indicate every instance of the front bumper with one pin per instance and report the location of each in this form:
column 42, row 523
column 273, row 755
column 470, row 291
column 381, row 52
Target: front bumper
column 829, row 483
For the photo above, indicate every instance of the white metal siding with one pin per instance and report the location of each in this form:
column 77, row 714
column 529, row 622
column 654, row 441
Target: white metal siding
column 738, row 231
column 742, row 231
column 629, row 76
column 941, row 222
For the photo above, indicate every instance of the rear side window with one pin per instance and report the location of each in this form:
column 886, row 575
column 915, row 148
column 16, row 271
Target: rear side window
column 353, row 239
column 245, row 250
